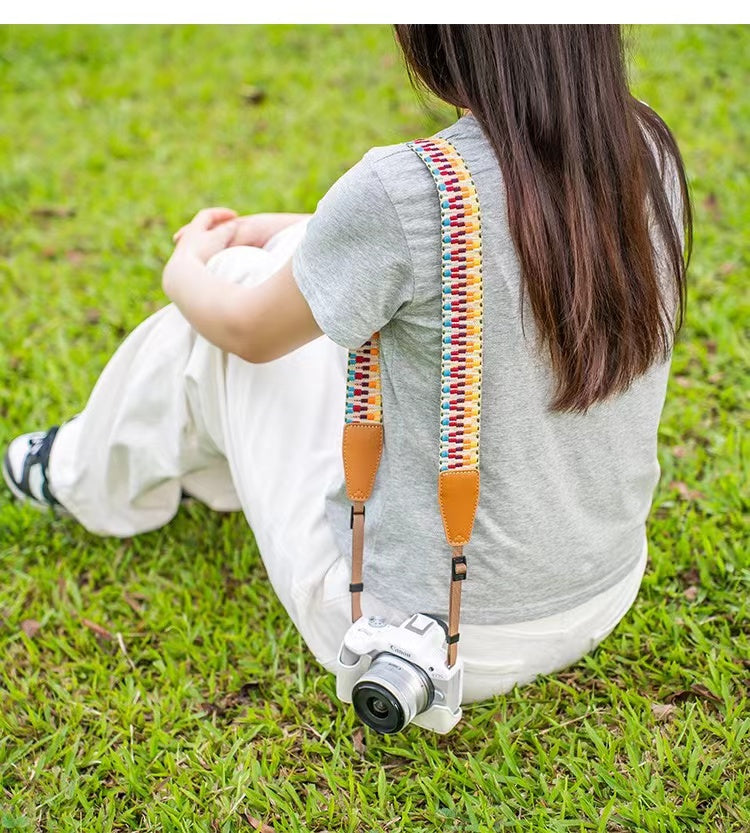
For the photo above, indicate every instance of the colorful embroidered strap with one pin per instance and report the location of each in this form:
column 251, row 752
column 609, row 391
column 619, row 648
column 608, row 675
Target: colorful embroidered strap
column 461, row 368
column 363, row 397
column 460, row 381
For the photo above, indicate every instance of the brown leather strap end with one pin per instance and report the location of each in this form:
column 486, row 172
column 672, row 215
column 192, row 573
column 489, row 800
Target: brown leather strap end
column 458, row 495
column 362, row 447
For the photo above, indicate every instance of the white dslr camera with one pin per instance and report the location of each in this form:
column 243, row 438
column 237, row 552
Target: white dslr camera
column 396, row 675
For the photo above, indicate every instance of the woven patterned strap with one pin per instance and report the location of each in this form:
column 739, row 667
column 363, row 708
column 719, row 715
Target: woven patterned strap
column 461, row 358
column 363, row 396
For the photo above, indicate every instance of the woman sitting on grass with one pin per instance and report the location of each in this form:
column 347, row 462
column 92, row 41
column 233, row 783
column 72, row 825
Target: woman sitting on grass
column 231, row 395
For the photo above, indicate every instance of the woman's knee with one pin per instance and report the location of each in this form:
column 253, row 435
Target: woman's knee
column 241, row 264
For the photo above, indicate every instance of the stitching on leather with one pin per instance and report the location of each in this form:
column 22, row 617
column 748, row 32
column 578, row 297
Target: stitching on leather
column 360, row 495
column 460, row 541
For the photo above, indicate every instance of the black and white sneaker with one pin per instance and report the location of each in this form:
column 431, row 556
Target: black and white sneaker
column 25, row 469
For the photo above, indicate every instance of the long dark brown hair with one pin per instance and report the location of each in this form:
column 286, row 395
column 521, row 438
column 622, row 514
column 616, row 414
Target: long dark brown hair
column 587, row 171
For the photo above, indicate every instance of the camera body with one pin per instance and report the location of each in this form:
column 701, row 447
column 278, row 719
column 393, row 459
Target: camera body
column 396, row 675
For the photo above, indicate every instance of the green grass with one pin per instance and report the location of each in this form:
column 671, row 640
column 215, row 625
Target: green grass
column 204, row 711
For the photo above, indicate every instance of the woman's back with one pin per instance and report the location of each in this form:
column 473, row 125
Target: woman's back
column 564, row 496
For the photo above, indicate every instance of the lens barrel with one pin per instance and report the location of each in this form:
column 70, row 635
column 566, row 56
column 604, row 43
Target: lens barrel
column 391, row 693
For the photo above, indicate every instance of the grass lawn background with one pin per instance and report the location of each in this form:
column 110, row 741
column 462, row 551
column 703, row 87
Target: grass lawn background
column 207, row 713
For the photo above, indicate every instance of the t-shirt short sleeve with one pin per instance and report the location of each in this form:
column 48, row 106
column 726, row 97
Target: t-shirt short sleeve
column 353, row 264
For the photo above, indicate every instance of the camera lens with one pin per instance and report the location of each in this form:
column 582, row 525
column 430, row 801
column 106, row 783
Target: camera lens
column 378, row 707
column 391, row 693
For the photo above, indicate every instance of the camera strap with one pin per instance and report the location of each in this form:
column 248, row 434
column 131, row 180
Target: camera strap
column 460, row 383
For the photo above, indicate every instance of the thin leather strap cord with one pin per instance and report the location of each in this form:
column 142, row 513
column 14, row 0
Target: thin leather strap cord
column 358, row 545
column 458, row 574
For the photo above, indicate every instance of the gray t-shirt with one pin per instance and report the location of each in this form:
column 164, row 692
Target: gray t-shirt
column 563, row 499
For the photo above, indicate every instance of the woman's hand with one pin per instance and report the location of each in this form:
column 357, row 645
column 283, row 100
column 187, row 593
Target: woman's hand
column 250, row 229
column 258, row 229
column 210, row 231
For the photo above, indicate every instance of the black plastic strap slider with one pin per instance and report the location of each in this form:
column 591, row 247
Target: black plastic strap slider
column 451, row 640
column 356, row 588
column 458, row 560
column 351, row 516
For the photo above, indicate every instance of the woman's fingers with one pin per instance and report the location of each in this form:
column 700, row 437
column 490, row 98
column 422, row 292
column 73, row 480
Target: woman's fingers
column 223, row 233
column 206, row 219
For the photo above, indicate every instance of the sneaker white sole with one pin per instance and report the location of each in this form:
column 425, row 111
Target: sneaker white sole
column 57, row 509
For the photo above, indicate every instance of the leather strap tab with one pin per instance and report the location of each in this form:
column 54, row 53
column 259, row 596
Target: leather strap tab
column 458, row 496
column 362, row 447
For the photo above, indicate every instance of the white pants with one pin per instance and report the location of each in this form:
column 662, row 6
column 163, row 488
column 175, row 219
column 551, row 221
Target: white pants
column 172, row 411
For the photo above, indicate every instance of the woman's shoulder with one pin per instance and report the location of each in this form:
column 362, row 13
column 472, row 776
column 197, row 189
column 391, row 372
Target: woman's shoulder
column 396, row 166
column 390, row 185
column 402, row 172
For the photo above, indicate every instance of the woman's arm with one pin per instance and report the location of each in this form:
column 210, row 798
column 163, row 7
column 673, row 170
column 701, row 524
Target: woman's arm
column 258, row 323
